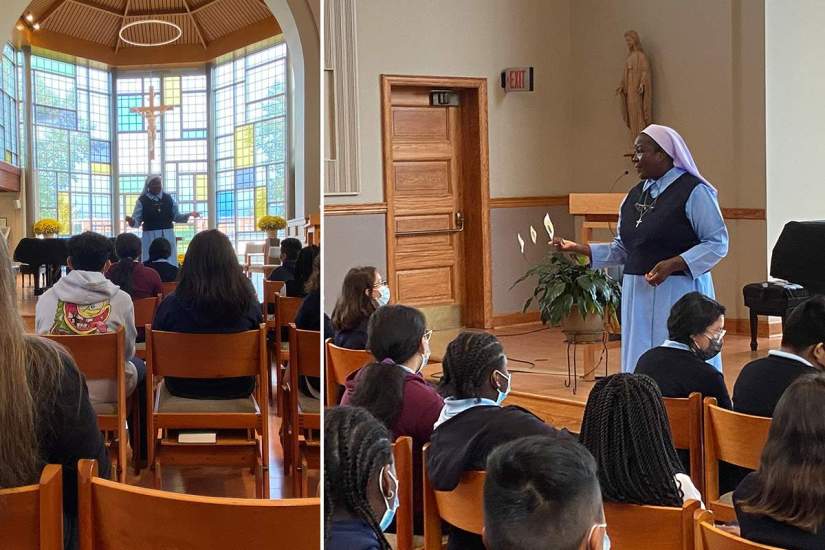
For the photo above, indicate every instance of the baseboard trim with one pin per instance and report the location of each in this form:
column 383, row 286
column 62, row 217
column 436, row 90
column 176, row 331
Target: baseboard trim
column 519, row 318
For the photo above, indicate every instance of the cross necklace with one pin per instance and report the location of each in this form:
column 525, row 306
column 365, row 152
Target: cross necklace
column 644, row 207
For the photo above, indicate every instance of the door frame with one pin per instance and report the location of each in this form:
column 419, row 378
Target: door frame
column 478, row 289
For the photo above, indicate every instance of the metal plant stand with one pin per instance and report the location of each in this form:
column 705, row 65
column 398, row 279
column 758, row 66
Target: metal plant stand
column 573, row 341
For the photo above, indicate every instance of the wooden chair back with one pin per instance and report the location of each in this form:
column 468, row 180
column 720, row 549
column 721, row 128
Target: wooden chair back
column 731, row 437
column 108, row 513
column 31, row 517
column 102, row 357
column 630, row 526
column 556, row 411
column 286, row 308
column 710, row 537
column 272, row 289
column 685, row 417
column 145, row 310
column 188, row 355
column 304, row 360
column 404, row 520
column 168, row 288
column 340, row 363
column 462, row 507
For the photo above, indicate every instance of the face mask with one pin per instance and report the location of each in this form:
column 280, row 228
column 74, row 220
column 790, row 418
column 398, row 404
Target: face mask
column 384, row 296
column 426, row 355
column 713, row 349
column 605, row 540
column 391, row 504
column 502, row 395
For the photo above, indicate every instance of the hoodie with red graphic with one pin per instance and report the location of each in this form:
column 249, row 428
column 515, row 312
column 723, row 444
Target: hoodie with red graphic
column 86, row 302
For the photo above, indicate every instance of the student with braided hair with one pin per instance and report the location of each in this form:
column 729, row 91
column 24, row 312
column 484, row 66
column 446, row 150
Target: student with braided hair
column 473, row 423
column 360, row 485
column 393, row 389
column 626, row 429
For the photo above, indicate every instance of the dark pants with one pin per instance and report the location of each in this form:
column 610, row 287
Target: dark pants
column 139, row 408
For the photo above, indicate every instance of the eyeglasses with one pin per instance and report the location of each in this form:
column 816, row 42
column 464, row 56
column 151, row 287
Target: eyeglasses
column 428, row 335
column 718, row 336
column 380, row 284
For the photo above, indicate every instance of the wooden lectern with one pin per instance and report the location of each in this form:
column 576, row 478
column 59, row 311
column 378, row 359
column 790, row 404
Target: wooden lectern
column 600, row 211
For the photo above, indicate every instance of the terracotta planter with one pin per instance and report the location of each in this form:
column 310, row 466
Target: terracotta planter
column 587, row 330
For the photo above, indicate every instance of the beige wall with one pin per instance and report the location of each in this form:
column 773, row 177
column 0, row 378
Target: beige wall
column 707, row 58
column 478, row 38
column 796, row 111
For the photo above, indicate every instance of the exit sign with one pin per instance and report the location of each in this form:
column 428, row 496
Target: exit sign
column 517, row 79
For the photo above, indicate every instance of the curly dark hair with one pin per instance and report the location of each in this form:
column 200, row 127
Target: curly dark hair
column 626, row 429
column 356, row 447
column 470, row 360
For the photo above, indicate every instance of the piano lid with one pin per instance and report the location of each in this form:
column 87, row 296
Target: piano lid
column 799, row 255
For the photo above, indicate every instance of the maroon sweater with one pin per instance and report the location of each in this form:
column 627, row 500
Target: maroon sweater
column 420, row 408
column 145, row 280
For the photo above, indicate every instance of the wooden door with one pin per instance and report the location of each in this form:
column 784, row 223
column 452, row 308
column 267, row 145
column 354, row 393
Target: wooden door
column 424, row 198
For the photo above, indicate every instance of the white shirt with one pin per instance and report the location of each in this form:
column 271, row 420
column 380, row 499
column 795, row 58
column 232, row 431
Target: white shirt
column 689, row 490
column 788, row 355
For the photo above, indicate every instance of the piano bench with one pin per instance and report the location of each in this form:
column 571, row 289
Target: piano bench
column 771, row 298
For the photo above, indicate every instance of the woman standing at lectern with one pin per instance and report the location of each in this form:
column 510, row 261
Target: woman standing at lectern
column 158, row 212
column 670, row 235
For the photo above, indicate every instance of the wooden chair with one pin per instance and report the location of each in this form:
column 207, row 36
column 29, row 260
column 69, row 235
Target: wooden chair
column 121, row 517
column 557, row 411
column 685, row 416
column 101, row 357
column 462, row 507
column 340, row 363
column 31, row 517
column 631, row 526
column 285, row 310
column 732, row 437
column 404, row 520
column 168, row 288
column 303, row 411
column 710, row 537
column 208, row 356
column 144, row 315
column 272, row 289
column 250, row 265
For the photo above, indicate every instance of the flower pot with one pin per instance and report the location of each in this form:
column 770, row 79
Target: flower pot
column 49, row 236
column 272, row 234
column 587, row 330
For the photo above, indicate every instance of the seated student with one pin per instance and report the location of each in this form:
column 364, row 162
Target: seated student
column 781, row 504
column 133, row 278
column 308, row 316
column 44, row 403
column 159, row 252
column 360, row 484
column 85, row 302
column 290, row 248
column 362, row 293
column 295, row 288
column 213, row 296
column 763, row 381
column 393, row 389
column 543, row 493
column 473, row 422
column 679, row 367
column 626, row 429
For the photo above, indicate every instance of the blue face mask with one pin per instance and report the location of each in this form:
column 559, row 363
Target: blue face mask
column 390, row 502
column 605, row 540
column 502, row 394
column 384, row 296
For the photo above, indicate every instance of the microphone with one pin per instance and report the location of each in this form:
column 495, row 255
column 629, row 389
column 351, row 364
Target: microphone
column 623, row 174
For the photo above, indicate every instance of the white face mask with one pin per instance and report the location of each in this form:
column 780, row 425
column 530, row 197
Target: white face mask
column 605, row 540
column 390, row 502
column 425, row 357
column 383, row 296
column 502, row 394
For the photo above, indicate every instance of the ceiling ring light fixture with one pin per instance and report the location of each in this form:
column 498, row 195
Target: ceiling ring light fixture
column 147, row 22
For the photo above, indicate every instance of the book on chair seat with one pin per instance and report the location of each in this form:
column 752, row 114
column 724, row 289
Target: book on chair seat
column 197, row 437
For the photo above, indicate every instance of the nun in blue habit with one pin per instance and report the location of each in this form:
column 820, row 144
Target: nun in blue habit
column 670, row 235
column 158, row 212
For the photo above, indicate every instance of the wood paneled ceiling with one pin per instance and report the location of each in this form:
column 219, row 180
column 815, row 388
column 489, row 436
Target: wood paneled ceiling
column 90, row 28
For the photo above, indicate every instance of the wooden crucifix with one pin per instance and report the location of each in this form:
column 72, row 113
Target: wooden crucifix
column 151, row 113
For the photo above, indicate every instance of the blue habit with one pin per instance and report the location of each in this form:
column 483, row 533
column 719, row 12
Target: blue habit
column 168, row 234
column 645, row 308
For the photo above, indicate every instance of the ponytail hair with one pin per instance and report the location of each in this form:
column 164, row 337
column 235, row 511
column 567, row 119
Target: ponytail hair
column 127, row 248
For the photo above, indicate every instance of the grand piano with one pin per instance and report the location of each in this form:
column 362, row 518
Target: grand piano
column 50, row 254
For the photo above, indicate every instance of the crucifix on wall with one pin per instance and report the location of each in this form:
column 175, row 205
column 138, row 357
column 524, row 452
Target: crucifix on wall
column 151, row 114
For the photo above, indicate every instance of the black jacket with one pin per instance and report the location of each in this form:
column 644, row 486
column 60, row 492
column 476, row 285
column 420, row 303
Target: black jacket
column 762, row 382
column 680, row 372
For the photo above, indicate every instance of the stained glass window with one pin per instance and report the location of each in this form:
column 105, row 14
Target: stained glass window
column 72, row 142
column 9, row 144
column 249, row 89
column 180, row 144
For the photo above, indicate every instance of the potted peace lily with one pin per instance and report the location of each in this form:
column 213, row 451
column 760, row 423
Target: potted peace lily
column 569, row 293
column 271, row 224
column 46, row 227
